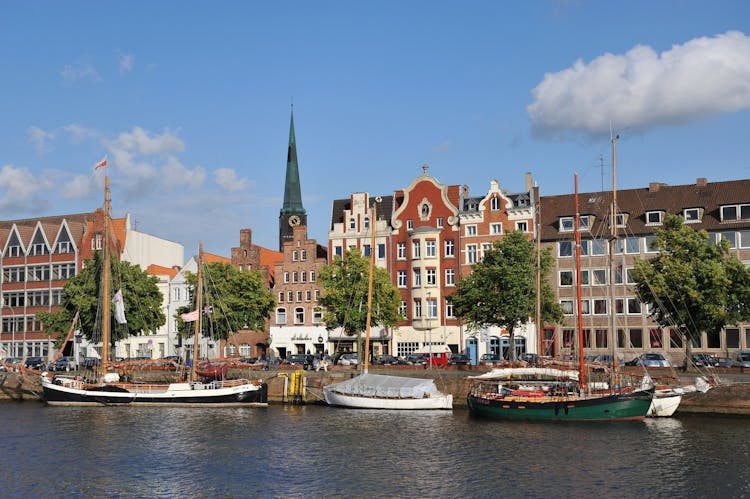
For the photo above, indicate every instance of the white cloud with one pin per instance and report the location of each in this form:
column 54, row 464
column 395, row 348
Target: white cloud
column 81, row 187
column 41, row 139
column 79, row 133
column 75, row 73
column 19, row 190
column 175, row 174
column 642, row 89
column 138, row 140
column 226, row 178
column 126, row 63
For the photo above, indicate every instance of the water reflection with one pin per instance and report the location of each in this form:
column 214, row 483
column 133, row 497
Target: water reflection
column 313, row 451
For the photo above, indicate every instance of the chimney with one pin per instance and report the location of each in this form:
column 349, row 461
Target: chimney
column 246, row 237
column 701, row 182
column 654, row 186
column 529, row 181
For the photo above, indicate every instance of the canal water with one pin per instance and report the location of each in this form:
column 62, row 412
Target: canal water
column 316, row 451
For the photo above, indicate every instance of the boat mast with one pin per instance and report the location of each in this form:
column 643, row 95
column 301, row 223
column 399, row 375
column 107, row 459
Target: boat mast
column 581, row 369
column 199, row 319
column 105, row 281
column 373, row 219
column 538, row 312
column 612, row 264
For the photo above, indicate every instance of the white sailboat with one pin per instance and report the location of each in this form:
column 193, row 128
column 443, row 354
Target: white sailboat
column 380, row 391
column 73, row 391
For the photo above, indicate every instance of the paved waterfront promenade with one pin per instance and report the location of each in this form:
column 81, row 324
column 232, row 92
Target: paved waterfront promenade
column 730, row 397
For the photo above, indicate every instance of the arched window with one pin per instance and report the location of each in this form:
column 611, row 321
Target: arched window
column 281, row 315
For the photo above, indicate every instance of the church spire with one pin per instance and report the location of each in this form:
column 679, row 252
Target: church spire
column 292, row 212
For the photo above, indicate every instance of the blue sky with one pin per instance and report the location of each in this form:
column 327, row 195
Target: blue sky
column 190, row 101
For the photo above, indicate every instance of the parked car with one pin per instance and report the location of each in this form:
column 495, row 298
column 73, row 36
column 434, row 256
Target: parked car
column 35, row 363
column 703, row 360
column 649, row 360
column 742, row 358
column 530, row 358
column 725, row 362
column 63, row 364
column 489, row 359
column 300, row 359
column 10, row 363
column 383, row 360
column 459, row 359
column 416, row 359
column 347, row 359
column 90, row 363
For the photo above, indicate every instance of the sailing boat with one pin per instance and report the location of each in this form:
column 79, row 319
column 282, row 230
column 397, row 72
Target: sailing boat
column 555, row 394
column 73, row 391
column 380, row 391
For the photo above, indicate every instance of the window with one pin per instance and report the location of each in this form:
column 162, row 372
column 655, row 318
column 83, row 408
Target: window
column 402, row 310
column 303, row 275
column 564, row 248
column 312, row 276
column 431, row 309
column 566, row 278
column 317, row 315
column 471, row 253
column 299, row 315
column 299, row 296
column 352, row 223
column 401, row 279
column 622, row 219
column 416, row 249
column 39, row 249
column 599, row 276
column 675, row 339
column 634, row 306
column 450, row 247
column 471, row 230
column 494, row 204
column 584, row 222
column 650, row 244
column 295, row 255
column 38, row 273
column 431, row 277
column 290, row 296
column 440, row 223
column 599, row 247
column 691, row 215
column 496, row 229
column 64, row 247
column 295, row 277
column 281, row 297
column 653, row 218
column 566, row 224
column 636, row 338
column 733, row 337
column 731, row 237
column 381, row 251
column 57, row 296
column 522, row 226
column 286, row 277
column 430, row 248
column 401, row 251
column 304, row 255
column 96, row 242
column 14, row 274
column 449, row 309
column 367, row 222
column 735, row 212
column 567, row 306
column 281, row 315
column 601, row 338
column 654, row 338
column 417, row 309
column 425, row 210
column 317, row 294
column 337, row 250
column 568, row 335
column 600, row 307
column 410, row 224
column 450, row 277
column 308, row 295
column 585, row 307
column 367, row 250
column 38, row 298
column 585, row 279
column 417, row 277
column 13, row 251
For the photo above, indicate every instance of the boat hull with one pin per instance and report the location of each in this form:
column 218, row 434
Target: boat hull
column 664, row 405
column 363, row 402
column 176, row 394
column 605, row 408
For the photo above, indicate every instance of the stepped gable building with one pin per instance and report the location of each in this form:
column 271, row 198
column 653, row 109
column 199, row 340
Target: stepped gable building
column 292, row 212
column 720, row 208
column 351, row 227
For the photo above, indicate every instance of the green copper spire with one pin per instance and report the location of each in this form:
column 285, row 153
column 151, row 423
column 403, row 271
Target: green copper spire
column 292, row 190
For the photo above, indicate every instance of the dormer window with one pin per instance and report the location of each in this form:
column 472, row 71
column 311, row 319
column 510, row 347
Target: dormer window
column 584, row 222
column 735, row 212
column 691, row 215
column 495, row 204
column 566, row 224
column 653, row 217
column 622, row 220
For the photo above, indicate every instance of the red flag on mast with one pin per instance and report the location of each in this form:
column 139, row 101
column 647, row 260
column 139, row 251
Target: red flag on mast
column 101, row 164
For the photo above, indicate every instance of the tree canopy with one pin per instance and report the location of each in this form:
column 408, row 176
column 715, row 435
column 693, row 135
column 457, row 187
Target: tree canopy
column 141, row 295
column 232, row 298
column 692, row 284
column 344, row 298
column 501, row 290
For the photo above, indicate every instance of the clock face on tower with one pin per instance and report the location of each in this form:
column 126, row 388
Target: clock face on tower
column 294, row 221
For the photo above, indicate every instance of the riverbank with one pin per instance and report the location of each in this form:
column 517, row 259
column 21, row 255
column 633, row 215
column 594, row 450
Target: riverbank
column 731, row 397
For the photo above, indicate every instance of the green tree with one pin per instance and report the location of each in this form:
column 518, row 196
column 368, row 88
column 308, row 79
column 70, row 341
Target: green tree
column 232, row 298
column 692, row 284
column 501, row 290
column 141, row 295
column 344, row 298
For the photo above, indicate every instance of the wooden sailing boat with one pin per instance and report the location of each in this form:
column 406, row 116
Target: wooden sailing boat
column 108, row 390
column 379, row 391
column 555, row 394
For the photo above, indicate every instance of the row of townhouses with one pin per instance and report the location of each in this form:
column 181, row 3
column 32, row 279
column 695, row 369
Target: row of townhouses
column 428, row 235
